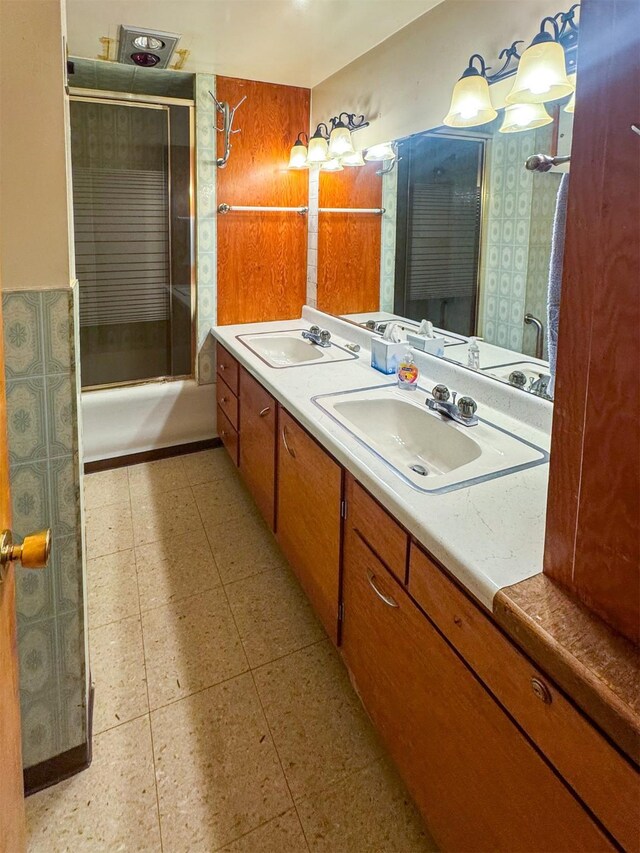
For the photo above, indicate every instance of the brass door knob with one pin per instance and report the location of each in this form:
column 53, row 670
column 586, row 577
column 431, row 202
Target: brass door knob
column 32, row 554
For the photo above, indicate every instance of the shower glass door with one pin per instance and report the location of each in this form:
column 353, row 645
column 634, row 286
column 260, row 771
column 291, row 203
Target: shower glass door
column 132, row 220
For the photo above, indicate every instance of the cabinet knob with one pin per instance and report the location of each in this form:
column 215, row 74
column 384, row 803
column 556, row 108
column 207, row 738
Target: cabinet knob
column 541, row 690
column 32, row 554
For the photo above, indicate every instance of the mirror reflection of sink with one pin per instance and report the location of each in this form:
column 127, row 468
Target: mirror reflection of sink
column 531, row 370
column 431, row 453
column 290, row 349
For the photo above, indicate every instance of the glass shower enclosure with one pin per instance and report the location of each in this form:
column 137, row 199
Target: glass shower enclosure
column 132, row 166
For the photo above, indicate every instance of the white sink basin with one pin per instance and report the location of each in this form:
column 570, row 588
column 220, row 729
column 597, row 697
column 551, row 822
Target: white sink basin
column 432, row 453
column 290, row 349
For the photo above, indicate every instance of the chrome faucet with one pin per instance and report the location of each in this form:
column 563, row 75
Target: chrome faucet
column 318, row 336
column 463, row 412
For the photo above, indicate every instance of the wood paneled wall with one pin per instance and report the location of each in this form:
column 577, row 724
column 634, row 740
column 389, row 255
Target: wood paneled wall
column 593, row 516
column 349, row 244
column 262, row 257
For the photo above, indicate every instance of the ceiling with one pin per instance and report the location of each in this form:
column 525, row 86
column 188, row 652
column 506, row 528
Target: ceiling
column 295, row 42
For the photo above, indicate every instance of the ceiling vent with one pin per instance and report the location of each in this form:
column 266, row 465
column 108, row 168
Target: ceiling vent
column 146, row 48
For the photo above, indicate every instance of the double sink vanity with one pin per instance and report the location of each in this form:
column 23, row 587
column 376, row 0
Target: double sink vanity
column 404, row 527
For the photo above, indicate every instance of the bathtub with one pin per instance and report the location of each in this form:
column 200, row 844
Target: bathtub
column 136, row 418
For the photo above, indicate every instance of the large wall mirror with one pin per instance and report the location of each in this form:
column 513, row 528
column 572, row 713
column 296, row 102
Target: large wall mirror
column 467, row 236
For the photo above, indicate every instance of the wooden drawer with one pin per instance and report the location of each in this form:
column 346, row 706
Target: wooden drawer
column 479, row 783
column 227, row 367
column 227, row 401
column 605, row 781
column 379, row 530
column 229, row 435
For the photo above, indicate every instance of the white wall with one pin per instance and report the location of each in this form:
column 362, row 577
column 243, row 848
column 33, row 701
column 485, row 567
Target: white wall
column 34, row 202
column 404, row 84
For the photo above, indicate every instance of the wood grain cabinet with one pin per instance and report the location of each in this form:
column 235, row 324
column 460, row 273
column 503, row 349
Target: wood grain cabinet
column 258, row 446
column 308, row 517
column 227, row 370
column 478, row 781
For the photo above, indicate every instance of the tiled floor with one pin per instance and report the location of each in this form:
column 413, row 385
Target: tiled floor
column 224, row 719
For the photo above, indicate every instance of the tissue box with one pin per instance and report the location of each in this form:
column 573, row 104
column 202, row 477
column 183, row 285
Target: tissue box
column 435, row 346
column 385, row 355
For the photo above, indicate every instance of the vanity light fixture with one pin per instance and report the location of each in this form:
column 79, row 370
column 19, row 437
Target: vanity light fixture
column 383, row 151
column 471, row 101
column 333, row 165
column 571, row 106
column 340, row 143
column 298, row 156
column 355, row 159
column 542, row 71
column 319, row 146
column 519, row 117
column 330, row 144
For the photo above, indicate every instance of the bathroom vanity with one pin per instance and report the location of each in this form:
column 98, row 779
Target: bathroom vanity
column 404, row 579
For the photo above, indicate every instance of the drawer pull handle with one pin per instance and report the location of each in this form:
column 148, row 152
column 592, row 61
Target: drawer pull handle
column 286, row 444
column 541, row 690
column 225, row 400
column 390, row 602
column 264, row 412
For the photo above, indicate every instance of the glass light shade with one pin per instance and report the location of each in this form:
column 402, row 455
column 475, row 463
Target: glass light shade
column 571, row 106
column 519, row 117
column 355, row 159
column 318, row 149
column 542, row 73
column 331, row 166
column 340, row 142
column 377, row 153
column 471, row 102
column 298, row 157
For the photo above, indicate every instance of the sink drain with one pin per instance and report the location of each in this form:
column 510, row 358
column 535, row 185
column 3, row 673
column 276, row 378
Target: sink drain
column 419, row 469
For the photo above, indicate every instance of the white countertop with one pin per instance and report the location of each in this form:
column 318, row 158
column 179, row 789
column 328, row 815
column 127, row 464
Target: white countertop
column 489, row 535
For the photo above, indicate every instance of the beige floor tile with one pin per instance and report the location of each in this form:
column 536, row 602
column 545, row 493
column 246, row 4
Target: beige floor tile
column 111, row 806
column 209, row 465
column 106, row 487
column 108, row 529
column 117, row 668
column 319, row 727
column 190, row 644
column 222, row 500
column 175, row 568
column 217, row 770
column 243, row 546
column 368, row 812
column 283, row 834
column 163, row 516
column 273, row 615
column 155, row 478
column 112, row 588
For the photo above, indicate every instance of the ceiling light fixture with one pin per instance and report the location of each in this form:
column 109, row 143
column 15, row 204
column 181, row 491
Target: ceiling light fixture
column 333, row 165
column 355, row 159
column 340, row 142
column 378, row 153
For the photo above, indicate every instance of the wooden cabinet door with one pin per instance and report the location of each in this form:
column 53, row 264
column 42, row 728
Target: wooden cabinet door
column 478, row 782
column 308, row 517
column 258, row 443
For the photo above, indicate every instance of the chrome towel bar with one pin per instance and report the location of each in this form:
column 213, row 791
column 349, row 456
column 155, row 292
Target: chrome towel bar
column 377, row 210
column 227, row 208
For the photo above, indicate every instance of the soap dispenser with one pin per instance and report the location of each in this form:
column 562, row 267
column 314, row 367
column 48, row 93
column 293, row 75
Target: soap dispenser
column 473, row 353
column 407, row 373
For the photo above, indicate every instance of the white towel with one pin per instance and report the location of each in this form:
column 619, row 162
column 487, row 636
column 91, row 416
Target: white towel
column 555, row 276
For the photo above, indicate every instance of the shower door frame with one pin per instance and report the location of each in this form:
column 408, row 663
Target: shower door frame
column 158, row 102
column 483, row 179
